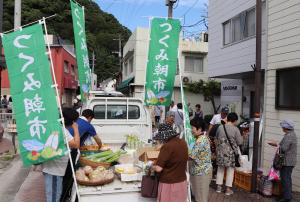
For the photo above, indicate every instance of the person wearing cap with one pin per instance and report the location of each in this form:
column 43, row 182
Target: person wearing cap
column 218, row 118
column 171, row 166
column 288, row 146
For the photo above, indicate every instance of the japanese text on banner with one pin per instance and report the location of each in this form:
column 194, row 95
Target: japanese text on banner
column 39, row 132
column 84, row 71
column 162, row 61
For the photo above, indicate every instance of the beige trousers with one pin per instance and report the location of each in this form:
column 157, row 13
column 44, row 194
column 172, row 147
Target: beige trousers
column 200, row 186
column 229, row 176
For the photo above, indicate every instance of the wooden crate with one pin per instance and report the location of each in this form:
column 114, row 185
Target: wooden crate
column 242, row 180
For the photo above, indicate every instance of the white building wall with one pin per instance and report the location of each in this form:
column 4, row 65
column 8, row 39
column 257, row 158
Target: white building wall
column 283, row 52
column 238, row 56
column 138, row 43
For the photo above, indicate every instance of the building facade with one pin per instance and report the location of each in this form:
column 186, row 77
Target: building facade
column 282, row 100
column 232, row 55
column 65, row 69
column 232, row 46
column 192, row 61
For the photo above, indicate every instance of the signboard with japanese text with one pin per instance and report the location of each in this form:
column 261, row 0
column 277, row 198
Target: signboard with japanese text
column 162, row 61
column 189, row 138
column 82, row 57
column 34, row 100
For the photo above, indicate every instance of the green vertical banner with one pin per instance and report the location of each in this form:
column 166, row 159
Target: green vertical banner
column 162, row 61
column 189, row 138
column 39, row 130
column 82, row 57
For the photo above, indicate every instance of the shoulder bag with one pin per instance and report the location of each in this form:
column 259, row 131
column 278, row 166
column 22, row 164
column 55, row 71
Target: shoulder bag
column 278, row 161
column 236, row 156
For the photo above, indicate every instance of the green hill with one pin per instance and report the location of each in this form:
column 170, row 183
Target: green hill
column 101, row 28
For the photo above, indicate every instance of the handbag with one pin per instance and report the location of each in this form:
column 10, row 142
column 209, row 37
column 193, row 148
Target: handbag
column 236, row 156
column 278, row 161
column 149, row 187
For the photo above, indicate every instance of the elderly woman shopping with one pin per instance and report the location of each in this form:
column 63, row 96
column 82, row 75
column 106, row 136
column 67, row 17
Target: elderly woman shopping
column 288, row 147
column 228, row 139
column 171, row 165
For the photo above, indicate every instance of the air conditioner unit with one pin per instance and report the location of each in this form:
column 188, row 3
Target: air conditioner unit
column 186, row 79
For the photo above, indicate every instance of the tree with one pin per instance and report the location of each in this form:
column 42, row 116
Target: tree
column 209, row 89
column 101, row 28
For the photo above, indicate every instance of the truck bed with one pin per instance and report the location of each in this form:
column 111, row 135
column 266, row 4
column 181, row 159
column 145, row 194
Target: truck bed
column 115, row 191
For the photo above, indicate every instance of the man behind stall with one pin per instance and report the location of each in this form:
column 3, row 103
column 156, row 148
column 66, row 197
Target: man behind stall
column 86, row 130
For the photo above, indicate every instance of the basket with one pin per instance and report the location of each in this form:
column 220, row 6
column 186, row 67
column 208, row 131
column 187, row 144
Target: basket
column 98, row 183
column 85, row 162
column 89, row 148
column 242, row 180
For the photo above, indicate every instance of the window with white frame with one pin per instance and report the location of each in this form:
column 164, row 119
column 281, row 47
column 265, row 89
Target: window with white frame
column 226, row 32
column 193, row 63
column 237, row 29
column 242, row 26
column 250, row 23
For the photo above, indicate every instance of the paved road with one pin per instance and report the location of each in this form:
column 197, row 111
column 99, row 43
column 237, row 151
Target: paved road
column 19, row 184
column 12, row 179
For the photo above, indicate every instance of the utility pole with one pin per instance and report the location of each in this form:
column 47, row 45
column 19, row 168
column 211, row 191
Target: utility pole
column 170, row 4
column 1, row 56
column 257, row 115
column 17, row 19
column 120, row 51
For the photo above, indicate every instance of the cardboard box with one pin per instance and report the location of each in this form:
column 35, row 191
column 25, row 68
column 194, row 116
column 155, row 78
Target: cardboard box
column 149, row 154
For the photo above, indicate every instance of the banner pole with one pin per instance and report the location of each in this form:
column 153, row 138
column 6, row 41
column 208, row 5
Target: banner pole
column 59, row 106
column 15, row 29
column 184, row 123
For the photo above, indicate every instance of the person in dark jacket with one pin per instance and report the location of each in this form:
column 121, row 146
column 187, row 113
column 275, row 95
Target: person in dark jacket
column 288, row 146
column 171, row 166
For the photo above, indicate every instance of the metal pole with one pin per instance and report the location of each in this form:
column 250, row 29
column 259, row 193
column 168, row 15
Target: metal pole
column 1, row 30
column 257, row 114
column 17, row 19
column 170, row 9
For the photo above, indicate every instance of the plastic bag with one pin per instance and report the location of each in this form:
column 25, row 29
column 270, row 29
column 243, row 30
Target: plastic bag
column 265, row 186
column 274, row 174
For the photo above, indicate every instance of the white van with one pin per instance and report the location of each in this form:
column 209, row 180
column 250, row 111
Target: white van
column 114, row 118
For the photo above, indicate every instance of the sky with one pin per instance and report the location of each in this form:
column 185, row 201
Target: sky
column 136, row 13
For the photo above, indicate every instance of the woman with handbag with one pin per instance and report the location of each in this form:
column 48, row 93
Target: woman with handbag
column 228, row 139
column 286, row 163
column 171, row 166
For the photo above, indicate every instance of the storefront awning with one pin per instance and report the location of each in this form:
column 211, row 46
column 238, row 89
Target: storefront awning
column 125, row 84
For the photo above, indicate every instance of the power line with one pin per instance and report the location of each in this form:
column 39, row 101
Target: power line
column 188, row 10
column 195, row 24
